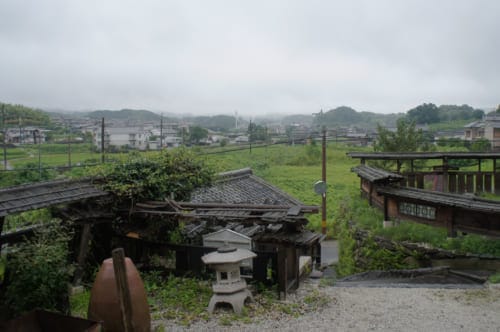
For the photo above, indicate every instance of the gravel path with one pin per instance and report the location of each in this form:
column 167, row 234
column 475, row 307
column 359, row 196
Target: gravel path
column 372, row 309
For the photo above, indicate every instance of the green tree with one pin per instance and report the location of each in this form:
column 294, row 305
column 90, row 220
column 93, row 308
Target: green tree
column 257, row 132
column 425, row 113
column 196, row 134
column 481, row 145
column 406, row 138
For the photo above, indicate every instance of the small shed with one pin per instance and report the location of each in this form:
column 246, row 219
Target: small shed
column 228, row 237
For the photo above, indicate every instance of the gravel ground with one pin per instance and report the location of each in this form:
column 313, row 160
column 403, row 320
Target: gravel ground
column 370, row 309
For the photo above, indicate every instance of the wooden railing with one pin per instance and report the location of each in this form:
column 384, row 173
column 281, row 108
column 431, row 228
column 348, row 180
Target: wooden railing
column 454, row 181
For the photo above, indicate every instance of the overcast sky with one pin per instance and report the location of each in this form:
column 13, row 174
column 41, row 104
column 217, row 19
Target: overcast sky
column 256, row 57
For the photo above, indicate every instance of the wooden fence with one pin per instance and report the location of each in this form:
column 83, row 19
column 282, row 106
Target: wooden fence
column 454, row 181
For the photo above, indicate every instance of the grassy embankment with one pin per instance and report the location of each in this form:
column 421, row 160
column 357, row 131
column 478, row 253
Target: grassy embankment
column 295, row 169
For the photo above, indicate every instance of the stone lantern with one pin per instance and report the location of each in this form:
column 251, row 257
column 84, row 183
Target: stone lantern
column 229, row 287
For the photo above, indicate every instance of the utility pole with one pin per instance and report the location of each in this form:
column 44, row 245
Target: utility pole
column 69, row 144
column 250, row 135
column 161, row 131
column 102, row 141
column 4, row 139
column 36, row 140
column 323, row 178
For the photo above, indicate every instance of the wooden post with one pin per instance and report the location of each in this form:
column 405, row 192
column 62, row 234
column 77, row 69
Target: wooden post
column 123, row 289
column 2, row 220
column 450, row 224
column 82, row 253
column 323, row 178
column 281, row 271
column 4, row 139
column 445, row 175
column 102, row 141
column 370, row 194
column 386, row 208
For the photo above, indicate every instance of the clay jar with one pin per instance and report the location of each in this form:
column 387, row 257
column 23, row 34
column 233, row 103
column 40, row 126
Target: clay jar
column 104, row 305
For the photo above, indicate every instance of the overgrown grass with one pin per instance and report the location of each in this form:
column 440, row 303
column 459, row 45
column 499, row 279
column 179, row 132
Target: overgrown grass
column 181, row 299
column 79, row 304
column 494, row 278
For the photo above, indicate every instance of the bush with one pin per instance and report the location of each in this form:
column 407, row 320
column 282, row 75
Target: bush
column 175, row 172
column 38, row 273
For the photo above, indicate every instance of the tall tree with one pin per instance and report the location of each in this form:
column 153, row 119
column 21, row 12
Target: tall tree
column 257, row 132
column 196, row 134
column 424, row 114
column 406, row 138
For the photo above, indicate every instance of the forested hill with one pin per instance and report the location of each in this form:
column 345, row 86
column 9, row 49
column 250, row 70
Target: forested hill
column 426, row 113
column 345, row 116
column 16, row 115
column 126, row 114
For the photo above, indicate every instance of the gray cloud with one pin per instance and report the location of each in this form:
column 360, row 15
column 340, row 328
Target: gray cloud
column 250, row 56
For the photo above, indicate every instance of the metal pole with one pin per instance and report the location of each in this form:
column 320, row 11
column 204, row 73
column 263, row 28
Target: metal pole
column 102, row 141
column 323, row 178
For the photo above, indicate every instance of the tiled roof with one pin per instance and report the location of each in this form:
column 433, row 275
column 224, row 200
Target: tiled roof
column 241, row 186
column 43, row 194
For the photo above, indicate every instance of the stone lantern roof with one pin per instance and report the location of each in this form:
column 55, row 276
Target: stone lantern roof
column 226, row 255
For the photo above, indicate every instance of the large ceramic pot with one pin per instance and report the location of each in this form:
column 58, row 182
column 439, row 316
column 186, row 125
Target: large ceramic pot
column 104, row 305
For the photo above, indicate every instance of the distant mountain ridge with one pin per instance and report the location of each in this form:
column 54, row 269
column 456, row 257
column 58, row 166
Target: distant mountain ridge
column 125, row 114
column 345, row 116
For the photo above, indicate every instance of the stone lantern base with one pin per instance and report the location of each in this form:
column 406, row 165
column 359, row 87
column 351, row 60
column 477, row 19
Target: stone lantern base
column 236, row 300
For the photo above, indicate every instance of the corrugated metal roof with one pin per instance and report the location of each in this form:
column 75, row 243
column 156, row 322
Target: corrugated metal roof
column 446, row 199
column 376, row 174
column 43, row 194
column 241, row 186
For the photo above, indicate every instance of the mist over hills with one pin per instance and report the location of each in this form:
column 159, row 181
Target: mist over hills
column 342, row 116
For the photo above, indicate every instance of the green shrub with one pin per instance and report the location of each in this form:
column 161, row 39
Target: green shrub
column 38, row 272
column 495, row 278
column 155, row 177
